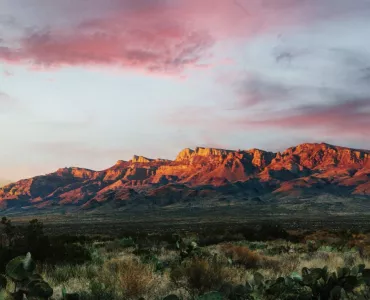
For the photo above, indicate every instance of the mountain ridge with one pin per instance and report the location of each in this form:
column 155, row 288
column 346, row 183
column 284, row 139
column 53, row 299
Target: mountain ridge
column 196, row 174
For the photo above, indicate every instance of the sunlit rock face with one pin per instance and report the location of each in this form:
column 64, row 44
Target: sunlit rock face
column 199, row 172
column 140, row 159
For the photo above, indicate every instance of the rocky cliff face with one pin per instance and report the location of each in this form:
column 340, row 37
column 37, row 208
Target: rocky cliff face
column 200, row 173
column 321, row 156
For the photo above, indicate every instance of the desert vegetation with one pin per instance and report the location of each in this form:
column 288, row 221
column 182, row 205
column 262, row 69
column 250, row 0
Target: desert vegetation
column 259, row 262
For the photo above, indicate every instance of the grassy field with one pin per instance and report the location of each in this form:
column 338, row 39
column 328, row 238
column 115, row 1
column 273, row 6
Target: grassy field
column 137, row 257
column 121, row 270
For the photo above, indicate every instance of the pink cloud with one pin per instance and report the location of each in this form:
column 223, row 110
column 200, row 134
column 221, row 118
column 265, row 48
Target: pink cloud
column 151, row 51
column 350, row 118
column 155, row 40
column 8, row 55
column 227, row 61
column 160, row 37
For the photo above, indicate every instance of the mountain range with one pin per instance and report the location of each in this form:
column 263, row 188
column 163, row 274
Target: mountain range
column 218, row 176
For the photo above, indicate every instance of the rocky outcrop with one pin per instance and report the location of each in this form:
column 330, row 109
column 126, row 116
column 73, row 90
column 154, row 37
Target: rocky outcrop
column 77, row 173
column 200, row 172
column 208, row 165
column 185, row 154
column 322, row 156
column 140, row 159
column 117, row 171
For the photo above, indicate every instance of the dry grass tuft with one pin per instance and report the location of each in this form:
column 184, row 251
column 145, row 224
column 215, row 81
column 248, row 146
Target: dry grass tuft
column 242, row 255
column 200, row 275
column 132, row 278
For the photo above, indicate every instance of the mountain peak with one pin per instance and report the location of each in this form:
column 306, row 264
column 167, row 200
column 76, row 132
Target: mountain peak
column 304, row 146
column 184, row 154
column 187, row 153
column 202, row 151
column 323, row 146
column 140, row 159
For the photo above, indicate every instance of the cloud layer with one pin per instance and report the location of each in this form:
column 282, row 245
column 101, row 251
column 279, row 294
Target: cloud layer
column 156, row 36
column 344, row 118
column 308, row 83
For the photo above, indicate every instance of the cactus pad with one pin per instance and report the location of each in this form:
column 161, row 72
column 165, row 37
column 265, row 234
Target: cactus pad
column 39, row 289
column 5, row 295
column 20, row 267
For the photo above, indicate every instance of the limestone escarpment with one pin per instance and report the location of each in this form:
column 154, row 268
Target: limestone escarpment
column 200, row 172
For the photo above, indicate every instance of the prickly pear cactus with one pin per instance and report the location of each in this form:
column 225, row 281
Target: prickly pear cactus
column 5, row 295
column 21, row 271
column 20, row 268
column 38, row 288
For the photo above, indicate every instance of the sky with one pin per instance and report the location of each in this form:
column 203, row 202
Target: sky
column 88, row 82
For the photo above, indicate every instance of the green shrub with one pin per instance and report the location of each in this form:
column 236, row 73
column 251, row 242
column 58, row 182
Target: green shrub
column 126, row 242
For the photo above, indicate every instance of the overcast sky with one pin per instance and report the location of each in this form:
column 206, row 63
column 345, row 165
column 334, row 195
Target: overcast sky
column 87, row 82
